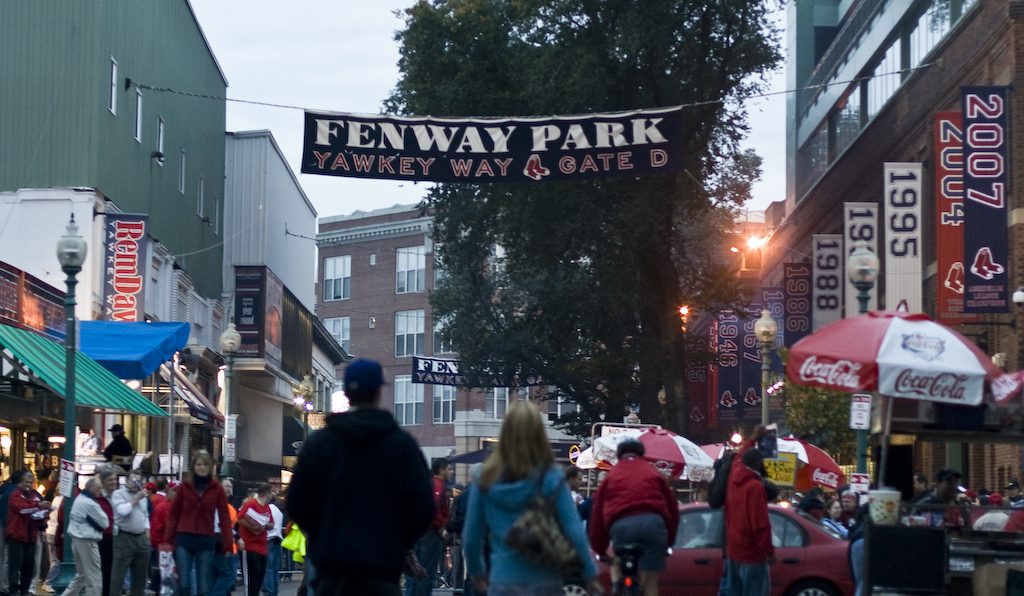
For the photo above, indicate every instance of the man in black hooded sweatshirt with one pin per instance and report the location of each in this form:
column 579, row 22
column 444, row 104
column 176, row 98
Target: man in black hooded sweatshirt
column 361, row 491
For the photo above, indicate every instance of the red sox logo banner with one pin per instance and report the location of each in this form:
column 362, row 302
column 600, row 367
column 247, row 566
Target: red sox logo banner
column 949, row 218
column 125, row 267
column 493, row 149
column 985, row 188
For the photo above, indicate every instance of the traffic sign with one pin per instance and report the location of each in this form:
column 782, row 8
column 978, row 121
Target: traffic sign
column 860, row 411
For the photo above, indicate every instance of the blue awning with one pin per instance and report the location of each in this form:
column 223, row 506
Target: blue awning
column 132, row 350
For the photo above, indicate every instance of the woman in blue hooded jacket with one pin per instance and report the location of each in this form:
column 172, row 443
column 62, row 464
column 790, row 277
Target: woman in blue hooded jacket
column 509, row 479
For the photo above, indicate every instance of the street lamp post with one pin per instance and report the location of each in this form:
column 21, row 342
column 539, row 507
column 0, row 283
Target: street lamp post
column 230, row 341
column 302, row 392
column 766, row 329
column 71, row 251
column 863, row 270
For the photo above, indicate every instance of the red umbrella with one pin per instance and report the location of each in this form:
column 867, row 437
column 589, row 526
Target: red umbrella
column 897, row 354
column 819, row 468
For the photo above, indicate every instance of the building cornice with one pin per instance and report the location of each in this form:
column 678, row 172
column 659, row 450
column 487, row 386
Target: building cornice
column 393, row 229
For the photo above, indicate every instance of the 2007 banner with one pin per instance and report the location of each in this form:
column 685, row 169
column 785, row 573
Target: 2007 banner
column 493, row 149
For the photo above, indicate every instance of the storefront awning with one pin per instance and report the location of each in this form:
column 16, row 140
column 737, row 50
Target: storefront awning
column 95, row 387
column 199, row 407
column 132, row 350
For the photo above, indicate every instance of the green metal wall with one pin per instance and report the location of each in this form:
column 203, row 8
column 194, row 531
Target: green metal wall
column 56, row 129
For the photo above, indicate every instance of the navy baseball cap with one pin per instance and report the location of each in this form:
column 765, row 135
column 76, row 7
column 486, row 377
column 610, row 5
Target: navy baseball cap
column 363, row 377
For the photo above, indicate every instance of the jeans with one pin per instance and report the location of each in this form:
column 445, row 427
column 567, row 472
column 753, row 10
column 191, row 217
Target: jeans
column 858, row 563
column 748, row 579
column 20, row 563
column 88, row 579
column 198, row 561
column 270, row 582
column 225, row 573
column 255, row 568
column 51, row 545
column 429, row 550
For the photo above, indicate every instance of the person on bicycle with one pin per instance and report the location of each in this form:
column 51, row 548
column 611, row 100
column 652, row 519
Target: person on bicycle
column 635, row 505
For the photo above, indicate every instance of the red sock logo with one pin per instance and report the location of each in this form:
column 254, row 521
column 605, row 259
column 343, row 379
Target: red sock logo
column 983, row 265
column 955, row 278
column 534, row 169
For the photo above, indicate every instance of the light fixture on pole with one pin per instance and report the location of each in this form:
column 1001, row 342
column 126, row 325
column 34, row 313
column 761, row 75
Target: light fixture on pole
column 302, row 392
column 230, row 341
column 863, row 270
column 71, row 251
column 766, row 329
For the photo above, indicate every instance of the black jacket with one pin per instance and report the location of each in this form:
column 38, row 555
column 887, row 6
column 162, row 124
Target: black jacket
column 119, row 445
column 361, row 491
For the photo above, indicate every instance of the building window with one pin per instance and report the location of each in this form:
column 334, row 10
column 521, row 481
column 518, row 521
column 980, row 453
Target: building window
column 408, row 401
column 216, row 217
column 441, row 345
column 409, row 333
column 496, row 402
column 338, row 278
column 181, row 173
column 438, row 266
column 160, row 140
column 931, row 27
column 560, row 406
column 847, row 120
column 410, row 269
column 444, row 404
column 112, row 100
column 200, row 191
column 340, row 328
column 882, row 85
column 373, row 259
column 138, row 115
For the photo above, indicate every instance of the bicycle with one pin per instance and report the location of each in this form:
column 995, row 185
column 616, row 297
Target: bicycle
column 629, row 560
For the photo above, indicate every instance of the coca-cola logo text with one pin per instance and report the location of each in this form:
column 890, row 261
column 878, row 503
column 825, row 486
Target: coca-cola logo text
column 841, row 373
column 946, row 386
column 829, row 479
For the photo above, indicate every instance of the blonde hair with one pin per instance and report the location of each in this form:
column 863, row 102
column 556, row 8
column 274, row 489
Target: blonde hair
column 522, row 449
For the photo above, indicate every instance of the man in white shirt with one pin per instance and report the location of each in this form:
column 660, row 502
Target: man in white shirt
column 274, row 537
column 131, row 536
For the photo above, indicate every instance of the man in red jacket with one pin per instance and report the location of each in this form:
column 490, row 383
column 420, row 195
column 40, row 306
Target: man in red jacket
column 748, row 531
column 635, row 505
column 25, row 509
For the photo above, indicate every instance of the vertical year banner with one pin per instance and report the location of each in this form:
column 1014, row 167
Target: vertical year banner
column 796, row 286
column 951, row 278
column 774, row 299
column 986, row 188
column 860, row 229
column 826, row 280
column 750, row 366
column 728, row 350
column 903, row 275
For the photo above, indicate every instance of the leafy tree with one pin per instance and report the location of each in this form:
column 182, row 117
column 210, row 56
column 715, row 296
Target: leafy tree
column 821, row 417
column 581, row 281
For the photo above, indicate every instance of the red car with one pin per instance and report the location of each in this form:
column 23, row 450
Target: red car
column 810, row 560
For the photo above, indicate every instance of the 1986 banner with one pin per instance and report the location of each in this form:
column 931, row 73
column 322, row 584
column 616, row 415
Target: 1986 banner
column 986, row 239
column 493, row 149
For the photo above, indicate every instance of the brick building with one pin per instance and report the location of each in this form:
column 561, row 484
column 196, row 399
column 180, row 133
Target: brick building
column 871, row 77
column 376, row 270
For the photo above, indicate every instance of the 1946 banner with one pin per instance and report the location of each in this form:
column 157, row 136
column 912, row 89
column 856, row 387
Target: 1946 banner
column 493, row 149
column 986, row 239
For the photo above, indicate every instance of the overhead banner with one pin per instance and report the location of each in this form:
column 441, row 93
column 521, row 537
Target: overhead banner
column 949, row 219
column 796, row 286
column 442, row 371
column 903, row 275
column 986, row 188
column 826, row 279
column 860, row 228
column 124, row 267
column 728, row 374
column 493, row 149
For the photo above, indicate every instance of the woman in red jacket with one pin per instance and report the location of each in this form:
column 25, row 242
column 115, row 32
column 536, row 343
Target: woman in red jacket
column 25, row 509
column 199, row 503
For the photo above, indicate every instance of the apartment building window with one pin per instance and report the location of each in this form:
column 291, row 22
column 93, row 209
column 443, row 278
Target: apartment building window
column 181, row 173
column 560, row 406
column 444, row 404
column 160, row 140
column 931, row 27
column 200, row 191
column 409, row 337
column 112, row 100
column 338, row 278
column 408, row 401
column 441, row 345
column 496, row 402
column 340, row 328
column 410, row 269
column 438, row 265
column 138, row 115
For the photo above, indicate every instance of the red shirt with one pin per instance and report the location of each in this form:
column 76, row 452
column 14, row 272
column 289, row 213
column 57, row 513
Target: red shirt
column 631, row 488
column 158, row 521
column 441, row 506
column 193, row 512
column 258, row 513
column 21, row 506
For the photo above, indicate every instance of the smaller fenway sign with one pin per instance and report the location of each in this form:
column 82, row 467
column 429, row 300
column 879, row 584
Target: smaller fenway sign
column 125, row 267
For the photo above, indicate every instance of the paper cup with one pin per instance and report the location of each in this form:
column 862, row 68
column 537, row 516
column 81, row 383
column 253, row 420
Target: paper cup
column 884, row 506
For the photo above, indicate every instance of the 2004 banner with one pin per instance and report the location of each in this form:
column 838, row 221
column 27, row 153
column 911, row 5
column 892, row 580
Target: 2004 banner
column 493, row 149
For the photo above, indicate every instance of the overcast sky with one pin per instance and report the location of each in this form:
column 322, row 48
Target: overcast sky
column 341, row 56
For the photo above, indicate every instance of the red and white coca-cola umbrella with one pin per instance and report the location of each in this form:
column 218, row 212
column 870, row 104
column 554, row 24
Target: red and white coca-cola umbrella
column 816, row 468
column 897, row 354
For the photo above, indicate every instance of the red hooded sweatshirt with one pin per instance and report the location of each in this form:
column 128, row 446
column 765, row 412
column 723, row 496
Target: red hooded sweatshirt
column 632, row 487
column 748, row 531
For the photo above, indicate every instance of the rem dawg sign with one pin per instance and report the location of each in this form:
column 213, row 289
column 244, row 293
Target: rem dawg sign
column 125, row 267
column 493, row 149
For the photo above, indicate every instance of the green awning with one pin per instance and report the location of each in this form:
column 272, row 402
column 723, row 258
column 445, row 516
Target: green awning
column 95, row 387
